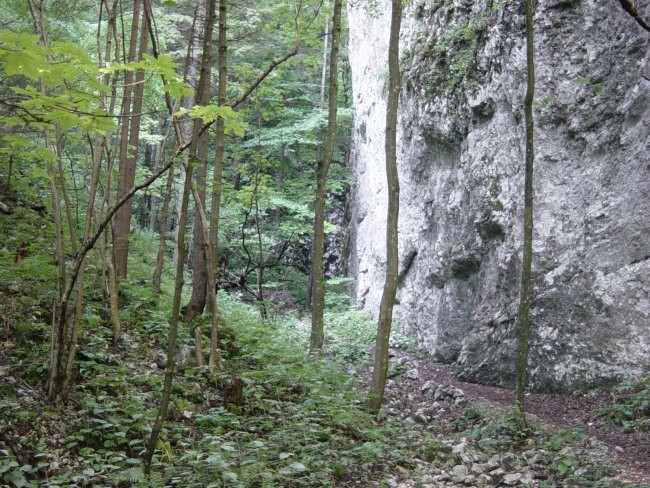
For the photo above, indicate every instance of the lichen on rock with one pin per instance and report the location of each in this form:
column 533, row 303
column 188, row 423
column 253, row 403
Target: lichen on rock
column 461, row 170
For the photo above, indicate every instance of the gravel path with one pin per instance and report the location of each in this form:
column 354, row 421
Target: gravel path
column 631, row 451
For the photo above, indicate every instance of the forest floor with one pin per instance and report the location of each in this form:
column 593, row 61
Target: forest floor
column 407, row 396
column 300, row 420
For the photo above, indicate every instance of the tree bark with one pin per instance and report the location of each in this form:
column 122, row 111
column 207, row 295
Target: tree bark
column 58, row 343
column 526, row 281
column 197, row 302
column 160, row 256
column 217, row 178
column 178, row 287
column 323, row 78
column 631, row 9
column 380, row 369
column 215, row 356
column 126, row 157
column 173, row 327
column 317, row 268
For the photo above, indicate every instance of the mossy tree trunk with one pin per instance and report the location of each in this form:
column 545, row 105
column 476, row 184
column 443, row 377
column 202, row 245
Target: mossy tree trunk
column 197, row 301
column 178, row 284
column 217, row 176
column 127, row 154
column 317, row 267
column 526, row 279
column 385, row 321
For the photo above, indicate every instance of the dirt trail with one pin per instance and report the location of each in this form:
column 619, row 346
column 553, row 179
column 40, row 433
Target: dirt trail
column 630, row 450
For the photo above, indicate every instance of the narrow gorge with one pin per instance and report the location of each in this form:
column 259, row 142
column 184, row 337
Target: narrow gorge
column 461, row 156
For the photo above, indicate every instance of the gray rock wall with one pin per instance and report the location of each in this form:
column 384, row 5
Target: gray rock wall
column 461, row 153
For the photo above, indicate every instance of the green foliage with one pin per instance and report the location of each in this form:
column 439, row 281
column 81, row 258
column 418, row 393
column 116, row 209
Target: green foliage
column 14, row 474
column 210, row 113
column 630, row 405
column 597, row 88
column 302, row 423
column 454, row 52
column 491, row 434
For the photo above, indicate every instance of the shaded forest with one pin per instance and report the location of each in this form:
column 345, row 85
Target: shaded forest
column 174, row 306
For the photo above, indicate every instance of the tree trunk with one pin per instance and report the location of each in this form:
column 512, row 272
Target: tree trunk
column 526, row 282
column 260, row 253
column 178, row 287
column 160, row 257
column 58, row 350
column 323, row 78
column 112, row 292
column 126, row 157
column 317, row 269
column 215, row 356
column 217, row 178
column 173, row 326
column 380, row 369
column 195, row 306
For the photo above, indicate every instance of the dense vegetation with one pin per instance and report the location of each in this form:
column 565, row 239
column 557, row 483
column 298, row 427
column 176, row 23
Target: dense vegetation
column 299, row 420
column 99, row 97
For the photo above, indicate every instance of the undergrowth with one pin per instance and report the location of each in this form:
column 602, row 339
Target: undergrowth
column 630, row 405
column 296, row 421
column 300, row 421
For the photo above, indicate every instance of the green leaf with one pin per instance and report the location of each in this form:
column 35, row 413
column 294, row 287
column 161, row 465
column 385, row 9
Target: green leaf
column 229, row 476
column 298, row 467
column 17, row 141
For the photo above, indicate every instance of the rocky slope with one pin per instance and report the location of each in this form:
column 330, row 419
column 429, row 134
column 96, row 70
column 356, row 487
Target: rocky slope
column 461, row 155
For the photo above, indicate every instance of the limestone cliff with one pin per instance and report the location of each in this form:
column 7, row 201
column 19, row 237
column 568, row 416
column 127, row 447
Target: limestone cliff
column 461, row 155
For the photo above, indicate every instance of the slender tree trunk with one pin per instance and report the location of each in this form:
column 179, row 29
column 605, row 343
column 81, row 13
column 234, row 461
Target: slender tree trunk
column 179, row 136
column 127, row 157
column 195, row 306
column 323, row 77
column 173, row 327
column 260, row 253
column 213, row 305
column 188, row 102
column 58, row 350
column 215, row 356
column 526, row 278
column 112, row 292
column 78, row 309
column 58, row 137
column 380, row 369
column 198, row 158
column 217, row 178
column 160, row 257
column 178, row 288
column 317, row 269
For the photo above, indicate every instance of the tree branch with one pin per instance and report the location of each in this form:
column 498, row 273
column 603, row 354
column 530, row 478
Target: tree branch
column 274, row 64
column 629, row 7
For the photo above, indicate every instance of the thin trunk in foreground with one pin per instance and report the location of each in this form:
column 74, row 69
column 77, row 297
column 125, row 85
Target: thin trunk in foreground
column 317, row 267
column 217, row 177
column 380, row 370
column 178, row 284
column 526, row 282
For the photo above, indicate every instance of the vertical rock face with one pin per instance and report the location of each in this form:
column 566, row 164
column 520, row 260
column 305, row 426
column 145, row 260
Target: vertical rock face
column 461, row 156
